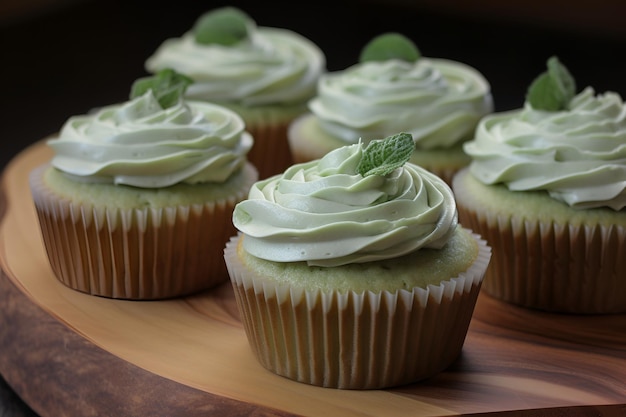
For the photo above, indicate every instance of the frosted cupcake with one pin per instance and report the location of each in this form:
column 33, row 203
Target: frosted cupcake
column 137, row 201
column 351, row 271
column 546, row 188
column 395, row 89
column 265, row 74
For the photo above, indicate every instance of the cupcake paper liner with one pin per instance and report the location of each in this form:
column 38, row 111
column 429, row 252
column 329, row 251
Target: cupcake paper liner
column 554, row 267
column 352, row 340
column 270, row 153
column 141, row 253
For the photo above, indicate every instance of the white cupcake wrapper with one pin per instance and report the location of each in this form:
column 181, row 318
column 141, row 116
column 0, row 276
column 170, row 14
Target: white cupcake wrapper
column 554, row 267
column 148, row 253
column 356, row 340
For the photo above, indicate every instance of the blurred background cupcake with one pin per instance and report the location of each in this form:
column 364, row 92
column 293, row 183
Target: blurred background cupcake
column 351, row 271
column 137, row 200
column 264, row 74
column 395, row 89
column 547, row 189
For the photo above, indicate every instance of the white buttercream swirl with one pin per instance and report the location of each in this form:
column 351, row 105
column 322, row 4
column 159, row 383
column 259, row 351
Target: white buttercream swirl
column 439, row 102
column 141, row 144
column 271, row 66
column 577, row 155
column 326, row 214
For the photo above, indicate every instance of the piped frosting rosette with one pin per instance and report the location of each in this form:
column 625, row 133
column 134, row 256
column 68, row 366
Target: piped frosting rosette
column 437, row 101
column 547, row 188
column 141, row 144
column 326, row 214
column 308, row 236
column 577, row 155
column 270, row 66
column 137, row 195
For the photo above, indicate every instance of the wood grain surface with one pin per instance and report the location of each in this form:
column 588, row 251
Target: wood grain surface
column 71, row 354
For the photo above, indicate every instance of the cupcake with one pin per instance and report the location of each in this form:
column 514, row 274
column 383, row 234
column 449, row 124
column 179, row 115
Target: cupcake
column 395, row 89
column 137, row 201
column 352, row 272
column 265, row 74
column 546, row 188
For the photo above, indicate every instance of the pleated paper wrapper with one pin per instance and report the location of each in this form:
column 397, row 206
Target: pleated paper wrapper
column 355, row 340
column 270, row 153
column 564, row 268
column 141, row 253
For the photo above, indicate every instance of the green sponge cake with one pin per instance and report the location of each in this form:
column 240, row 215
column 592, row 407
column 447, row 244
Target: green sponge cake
column 137, row 201
column 414, row 270
column 127, row 197
column 546, row 188
column 353, row 263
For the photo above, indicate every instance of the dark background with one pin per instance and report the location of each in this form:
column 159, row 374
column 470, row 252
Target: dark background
column 65, row 60
column 63, row 57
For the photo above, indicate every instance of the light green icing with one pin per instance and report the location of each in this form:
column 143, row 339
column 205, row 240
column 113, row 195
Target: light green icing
column 323, row 213
column 271, row 66
column 577, row 155
column 141, row 144
column 439, row 102
column 419, row 269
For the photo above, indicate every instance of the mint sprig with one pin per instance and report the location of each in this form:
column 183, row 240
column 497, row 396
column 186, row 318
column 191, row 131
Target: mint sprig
column 224, row 26
column 382, row 157
column 390, row 46
column 168, row 86
column 553, row 89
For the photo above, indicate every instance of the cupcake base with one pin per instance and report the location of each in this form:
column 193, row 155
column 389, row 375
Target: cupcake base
column 546, row 255
column 355, row 340
column 142, row 253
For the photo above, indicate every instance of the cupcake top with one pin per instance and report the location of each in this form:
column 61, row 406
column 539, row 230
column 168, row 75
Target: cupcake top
column 356, row 204
column 571, row 145
column 231, row 59
column 156, row 139
column 394, row 89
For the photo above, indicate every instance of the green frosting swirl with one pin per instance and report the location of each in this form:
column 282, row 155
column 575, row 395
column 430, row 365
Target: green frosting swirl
column 139, row 143
column 326, row 214
column 577, row 155
column 270, row 66
column 439, row 102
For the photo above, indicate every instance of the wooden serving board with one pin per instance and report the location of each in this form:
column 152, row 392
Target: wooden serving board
column 71, row 354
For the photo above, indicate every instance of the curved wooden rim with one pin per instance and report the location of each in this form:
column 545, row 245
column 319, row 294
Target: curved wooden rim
column 56, row 372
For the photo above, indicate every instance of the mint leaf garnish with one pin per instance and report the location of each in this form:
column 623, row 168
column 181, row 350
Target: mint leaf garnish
column 168, row 86
column 224, row 26
column 381, row 157
column 390, row 46
column 553, row 89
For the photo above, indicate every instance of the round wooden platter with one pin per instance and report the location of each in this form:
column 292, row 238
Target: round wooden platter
column 70, row 354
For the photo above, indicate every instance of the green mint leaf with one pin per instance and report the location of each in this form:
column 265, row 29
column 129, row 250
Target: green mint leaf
column 553, row 89
column 382, row 157
column 390, row 46
column 562, row 78
column 224, row 26
column 168, row 86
